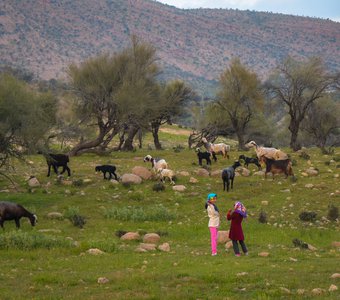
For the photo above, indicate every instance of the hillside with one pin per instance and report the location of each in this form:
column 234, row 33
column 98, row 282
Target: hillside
column 45, row 36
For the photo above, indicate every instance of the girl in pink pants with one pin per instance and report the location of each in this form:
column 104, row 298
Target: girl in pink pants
column 214, row 221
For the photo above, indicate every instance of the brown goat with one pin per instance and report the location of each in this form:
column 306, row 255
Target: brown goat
column 278, row 166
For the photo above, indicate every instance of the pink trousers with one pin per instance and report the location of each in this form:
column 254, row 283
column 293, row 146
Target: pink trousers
column 213, row 239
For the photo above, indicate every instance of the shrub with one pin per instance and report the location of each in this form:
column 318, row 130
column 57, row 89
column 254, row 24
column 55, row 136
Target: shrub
column 76, row 219
column 78, row 182
column 333, row 212
column 138, row 214
column 158, row 187
column 300, row 244
column 31, row 240
column 262, row 217
column 178, row 148
column 308, row 216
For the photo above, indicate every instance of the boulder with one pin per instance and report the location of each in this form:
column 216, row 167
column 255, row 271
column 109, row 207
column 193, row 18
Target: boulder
column 142, row 172
column 152, row 238
column 223, row 237
column 179, row 188
column 130, row 236
column 95, row 251
column 202, row 172
column 131, row 178
column 193, row 180
column 147, row 246
column 33, row 182
column 165, row 247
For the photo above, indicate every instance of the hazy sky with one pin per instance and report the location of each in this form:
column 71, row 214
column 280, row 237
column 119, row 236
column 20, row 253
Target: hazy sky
column 308, row 8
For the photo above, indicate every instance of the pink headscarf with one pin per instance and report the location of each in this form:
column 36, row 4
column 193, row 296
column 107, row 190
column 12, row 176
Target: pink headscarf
column 241, row 209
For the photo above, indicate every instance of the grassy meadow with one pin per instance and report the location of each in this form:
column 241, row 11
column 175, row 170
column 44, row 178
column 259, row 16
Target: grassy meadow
column 50, row 261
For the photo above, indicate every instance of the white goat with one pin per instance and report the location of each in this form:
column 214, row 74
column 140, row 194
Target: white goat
column 156, row 163
column 271, row 153
column 166, row 173
column 220, row 148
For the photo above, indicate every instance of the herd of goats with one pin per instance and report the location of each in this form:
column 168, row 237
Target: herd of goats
column 275, row 160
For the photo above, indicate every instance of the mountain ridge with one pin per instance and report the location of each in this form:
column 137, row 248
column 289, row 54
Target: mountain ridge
column 196, row 45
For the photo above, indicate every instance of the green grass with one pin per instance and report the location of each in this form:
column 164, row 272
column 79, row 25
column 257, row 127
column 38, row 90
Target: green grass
column 50, row 261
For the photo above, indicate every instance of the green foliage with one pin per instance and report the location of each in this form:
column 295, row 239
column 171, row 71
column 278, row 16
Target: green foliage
column 25, row 117
column 308, row 216
column 139, row 214
column 31, row 240
column 72, row 213
column 333, row 212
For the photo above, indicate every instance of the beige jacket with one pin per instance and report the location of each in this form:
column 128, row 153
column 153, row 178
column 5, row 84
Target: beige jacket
column 214, row 216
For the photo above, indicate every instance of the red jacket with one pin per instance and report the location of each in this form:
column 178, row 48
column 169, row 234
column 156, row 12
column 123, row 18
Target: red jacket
column 235, row 232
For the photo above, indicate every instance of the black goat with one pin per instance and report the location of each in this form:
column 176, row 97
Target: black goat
column 12, row 211
column 56, row 161
column 203, row 155
column 228, row 175
column 250, row 160
column 107, row 169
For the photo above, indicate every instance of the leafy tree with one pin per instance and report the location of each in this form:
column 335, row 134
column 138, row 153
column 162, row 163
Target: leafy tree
column 168, row 106
column 298, row 85
column 239, row 97
column 322, row 122
column 115, row 93
column 25, row 118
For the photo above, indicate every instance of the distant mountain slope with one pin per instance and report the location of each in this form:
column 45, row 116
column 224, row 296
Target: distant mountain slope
column 45, row 36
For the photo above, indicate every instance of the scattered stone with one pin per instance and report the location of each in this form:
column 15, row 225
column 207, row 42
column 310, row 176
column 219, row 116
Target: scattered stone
column 55, row 215
column 184, row 173
column 164, row 247
column 317, row 291
column 333, row 288
column 141, row 250
column 130, row 236
column 50, row 230
column 264, row 202
column 228, row 245
column 300, row 291
column 152, row 238
column 202, row 172
column 193, row 180
column 336, row 244
column 102, row 280
column 309, row 185
column 242, row 274
column 264, row 254
column 259, row 173
column 114, row 181
column 223, row 237
column 312, row 172
column 147, row 246
column 312, row 248
column 95, row 251
column 131, row 179
column 283, row 289
column 142, row 172
column 335, row 275
column 179, row 188
column 33, row 182
column 216, row 173
column 293, row 259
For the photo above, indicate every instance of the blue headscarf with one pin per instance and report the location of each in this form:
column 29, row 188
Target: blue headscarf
column 211, row 195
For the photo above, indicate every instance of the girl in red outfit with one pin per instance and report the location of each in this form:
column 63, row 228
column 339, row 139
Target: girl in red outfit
column 236, row 233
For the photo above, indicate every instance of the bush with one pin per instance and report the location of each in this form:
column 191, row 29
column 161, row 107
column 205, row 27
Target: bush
column 262, row 217
column 333, row 212
column 158, row 187
column 308, row 216
column 73, row 215
column 31, row 240
column 300, row 244
column 138, row 214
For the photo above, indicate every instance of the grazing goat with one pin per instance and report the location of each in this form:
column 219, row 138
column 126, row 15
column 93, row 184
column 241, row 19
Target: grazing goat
column 228, row 175
column 56, row 161
column 166, row 173
column 156, row 163
column 203, row 155
column 216, row 148
column 12, row 211
column 250, row 160
column 271, row 153
column 278, row 166
column 107, row 169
